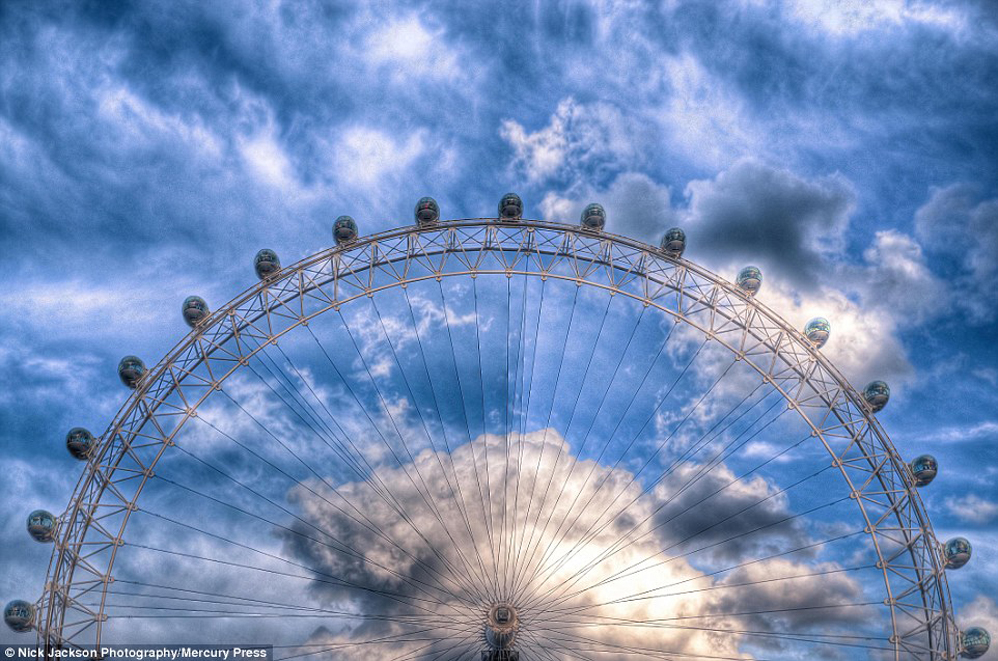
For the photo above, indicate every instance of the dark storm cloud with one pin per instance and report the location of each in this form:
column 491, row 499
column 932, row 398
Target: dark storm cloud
column 758, row 214
column 959, row 225
column 706, row 514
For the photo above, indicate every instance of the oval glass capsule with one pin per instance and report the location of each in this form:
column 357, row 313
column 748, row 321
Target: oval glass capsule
column 593, row 217
column 344, row 230
column 674, row 242
column 266, row 263
column 131, row 369
column 510, row 207
column 750, row 280
column 427, row 211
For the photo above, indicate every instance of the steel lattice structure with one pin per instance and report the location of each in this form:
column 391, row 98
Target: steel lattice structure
column 92, row 529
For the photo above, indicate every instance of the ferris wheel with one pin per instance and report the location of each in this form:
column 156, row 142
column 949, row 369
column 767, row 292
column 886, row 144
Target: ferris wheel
column 498, row 439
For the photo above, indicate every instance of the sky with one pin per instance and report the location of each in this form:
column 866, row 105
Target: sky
column 848, row 149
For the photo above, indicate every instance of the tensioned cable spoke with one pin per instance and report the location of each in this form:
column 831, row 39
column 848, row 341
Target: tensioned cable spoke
column 429, row 436
column 462, row 504
column 615, row 548
column 488, row 522
column 767, row 611
column 600, row 646
column 518, row 372
column 494, row 588
column 549, row 652
column 366, row 478
column 552, row 547
column 409, row 619
column 738, row 479
column 280, row 558
column 547, row 426
column 521, row 434
column 428, row 496
column 561, row 447
column 532, row 577
column 713, row 525
column 838, row 640
column 467, row 580
column 620, row 420
column 286, row 384
column 407, row 600
column 556, row 539
column 633, row 596
column 334, row 543
column 505, row 434
column 807, row 547
column 363, row 520
column 384, row 640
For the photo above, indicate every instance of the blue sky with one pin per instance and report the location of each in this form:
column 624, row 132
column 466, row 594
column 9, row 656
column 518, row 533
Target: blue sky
column 148, row 150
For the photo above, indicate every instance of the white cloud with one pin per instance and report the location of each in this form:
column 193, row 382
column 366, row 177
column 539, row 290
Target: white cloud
column 268, row 160
column 581, row 141
column 981, row 612
column 900, row 279
column 412, row 49
column 140, row 125
column 703, row 119
column 845, row 18
column 963, row 433
column 795, row 230
column 973, row 509
column 365, row 156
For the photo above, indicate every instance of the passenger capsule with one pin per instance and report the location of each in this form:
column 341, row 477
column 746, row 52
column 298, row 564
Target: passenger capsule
column 19, row 615
column 41, row 526
column 510, row 207
column 195, row 310
column 974, row 642
column 750, row 280
column 266, row 263
column 80, row 443
column 674, row 242
column 131, row 369
column 344, row 230
column 817, row 330
column 924, row 469
column 957, row 552
column 876, row 394
column 594, row 217
column 427, row 211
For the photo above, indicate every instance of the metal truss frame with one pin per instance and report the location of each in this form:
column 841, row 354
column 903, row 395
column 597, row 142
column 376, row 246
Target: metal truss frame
column 92, row 529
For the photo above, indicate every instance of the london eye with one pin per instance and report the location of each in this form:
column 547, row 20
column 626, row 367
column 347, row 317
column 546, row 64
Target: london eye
column 499, row 438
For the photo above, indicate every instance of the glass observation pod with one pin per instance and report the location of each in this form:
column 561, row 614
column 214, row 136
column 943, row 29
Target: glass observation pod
column 593, row 217
column 924, row 469
column 510, row 207
column 674, row 242
column 131, row 369
column 817, row 330
column 344, row 230
column 266, row 263
column 427, row 211
column 750, row 280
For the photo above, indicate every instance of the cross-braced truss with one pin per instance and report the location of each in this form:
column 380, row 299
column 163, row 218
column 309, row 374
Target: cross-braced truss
column 92, row 529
